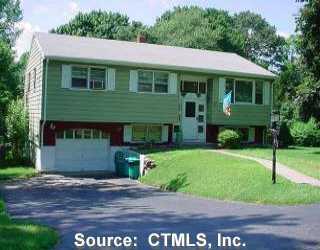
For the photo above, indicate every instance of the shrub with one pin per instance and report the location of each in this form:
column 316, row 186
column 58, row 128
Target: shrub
column 17, row 130
column 229, row 139
column 285, row 137
column 306, row 134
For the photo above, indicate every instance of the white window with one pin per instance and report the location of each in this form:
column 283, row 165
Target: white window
column 243, row 91
column 153, row 81
column 97, row 78
column 79, row 77
column 146, row 133
column 88, row 78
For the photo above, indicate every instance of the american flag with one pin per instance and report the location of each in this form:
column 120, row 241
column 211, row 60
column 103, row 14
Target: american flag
column 227, row 104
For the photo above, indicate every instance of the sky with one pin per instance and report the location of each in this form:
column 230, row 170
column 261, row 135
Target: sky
column 43, row 15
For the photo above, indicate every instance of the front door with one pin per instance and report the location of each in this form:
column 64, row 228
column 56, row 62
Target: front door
column 193, row 118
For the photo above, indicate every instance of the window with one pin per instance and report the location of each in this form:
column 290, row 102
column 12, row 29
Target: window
column 200, row 129
column 200, row 118
column 202, row 87
column 243, row 91
column 34, row 78
column 69, row 134
column 97, row 78
column 161, row 80
column 193, row 87
column 82, row 134
column 139, row 133
column 201, row 108
column 190, row 109
column 259, row 92
column 190, row 87
column 153, row 81
column 154, row 133
column 87, row 134
column 79, row 77
column 145, row 81
column 78, row 134
column 229, row 87
column 146, row 133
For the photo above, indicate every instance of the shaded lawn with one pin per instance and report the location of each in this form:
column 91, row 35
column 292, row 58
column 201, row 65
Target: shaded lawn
column 22, row 234
column 303, row 159
column 204, row 173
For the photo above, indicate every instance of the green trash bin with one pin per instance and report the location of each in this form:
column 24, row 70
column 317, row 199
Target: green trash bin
column 122, row 168
column 134, row 167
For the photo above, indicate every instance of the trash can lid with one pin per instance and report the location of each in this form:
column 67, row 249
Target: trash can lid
column 132, row 159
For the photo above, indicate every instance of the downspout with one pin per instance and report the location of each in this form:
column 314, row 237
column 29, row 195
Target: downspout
column 44, row 101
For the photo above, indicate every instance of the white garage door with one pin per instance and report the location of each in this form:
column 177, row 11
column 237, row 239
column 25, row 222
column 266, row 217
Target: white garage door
column 82, row 150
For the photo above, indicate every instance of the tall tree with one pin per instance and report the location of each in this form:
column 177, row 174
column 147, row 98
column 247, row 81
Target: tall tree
column 10, row 14
column 101, row 24
column 262, row 44
column 308, row 26
column 194, row 27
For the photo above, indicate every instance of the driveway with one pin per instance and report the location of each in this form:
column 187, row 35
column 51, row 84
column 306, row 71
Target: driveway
column 120, row 207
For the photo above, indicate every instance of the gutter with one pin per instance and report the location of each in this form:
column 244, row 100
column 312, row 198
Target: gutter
column 44, row 101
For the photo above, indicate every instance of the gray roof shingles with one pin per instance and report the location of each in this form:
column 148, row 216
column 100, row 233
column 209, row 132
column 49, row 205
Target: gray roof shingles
column 85, row 49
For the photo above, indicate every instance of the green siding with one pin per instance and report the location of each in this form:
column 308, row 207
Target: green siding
column 258, row 115
column 107, row 106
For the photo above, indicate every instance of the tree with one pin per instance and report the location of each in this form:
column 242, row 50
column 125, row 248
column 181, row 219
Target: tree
column 262, row 45
column 17, row 129
column 308, row 25
column 101, row 24
column 194, row 27
column 10, row 14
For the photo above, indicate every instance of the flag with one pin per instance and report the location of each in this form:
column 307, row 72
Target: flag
column 227, row 104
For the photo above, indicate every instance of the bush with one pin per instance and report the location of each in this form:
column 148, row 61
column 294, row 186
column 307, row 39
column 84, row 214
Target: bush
column 306, row 134
column 229, row 139
column 285, row 137
column 16, row 123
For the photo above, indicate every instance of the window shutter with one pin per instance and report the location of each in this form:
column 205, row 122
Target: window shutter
column 222, row 89
column 164, row 133
column 133, row 82
column 111, row 79
column 173, row 79
column 66, row 76
column 266, row 93
column 127, row 133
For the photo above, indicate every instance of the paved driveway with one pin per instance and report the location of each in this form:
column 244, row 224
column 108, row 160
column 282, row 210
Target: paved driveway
column 118, row 207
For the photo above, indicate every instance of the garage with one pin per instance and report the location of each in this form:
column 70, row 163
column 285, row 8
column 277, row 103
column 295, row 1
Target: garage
column 82, row 150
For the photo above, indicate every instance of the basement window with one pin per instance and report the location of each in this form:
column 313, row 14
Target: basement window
column 146, row 133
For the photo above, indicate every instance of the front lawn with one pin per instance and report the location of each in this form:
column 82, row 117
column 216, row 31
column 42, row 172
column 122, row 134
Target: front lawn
column 22, row 234
column 204, row 173
column 303, row 159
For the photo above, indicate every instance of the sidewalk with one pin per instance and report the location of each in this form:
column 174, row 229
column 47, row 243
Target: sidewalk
column 282, row 170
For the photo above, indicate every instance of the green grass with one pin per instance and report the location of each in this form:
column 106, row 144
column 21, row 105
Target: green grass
column 22, row 234
column 303, row 159
column 204, row 173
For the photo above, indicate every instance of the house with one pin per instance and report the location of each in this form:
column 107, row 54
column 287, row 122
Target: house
column 88, row 98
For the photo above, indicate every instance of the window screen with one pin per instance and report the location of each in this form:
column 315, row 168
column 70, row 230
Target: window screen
column 154, row 133
column 229, row 87
column 139, row 133
column 79, row 77
column 190, row 109
column 97, row 78
column 259, row 92
column 161, row 80
column 244, row 91
column 145, row 80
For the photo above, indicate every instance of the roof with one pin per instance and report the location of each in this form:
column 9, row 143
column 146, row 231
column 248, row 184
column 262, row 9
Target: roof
column 93, row 50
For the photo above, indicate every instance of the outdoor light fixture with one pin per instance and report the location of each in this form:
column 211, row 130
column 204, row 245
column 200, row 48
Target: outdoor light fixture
column 275, row 129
